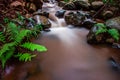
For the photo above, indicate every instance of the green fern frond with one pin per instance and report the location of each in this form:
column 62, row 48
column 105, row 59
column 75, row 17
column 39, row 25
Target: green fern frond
column 25, row 56
column 20, row 17
column 101, row 28
column 34, row 47
column 22, row 34
column 38, row 27
column 6, row 20
column 6, row 56
column 12, row 30
column 2, row 37
column 114, row 33
column 6, row 47
column 100, row 25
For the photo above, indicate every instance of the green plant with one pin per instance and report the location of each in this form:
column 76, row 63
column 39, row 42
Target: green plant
column 2, row 37
column 15, row 43
column 25, row 57
column 114, row 33
column 101, row 28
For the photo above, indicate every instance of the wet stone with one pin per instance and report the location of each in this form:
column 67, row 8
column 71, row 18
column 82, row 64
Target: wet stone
column 88, row 23
column 70, row 6
column 107, row 14
column 60, row 13
column 81, row 4
column 96, row 5
column 113, row 23
column 79, row 18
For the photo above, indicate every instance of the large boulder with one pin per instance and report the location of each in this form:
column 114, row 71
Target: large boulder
column 92, row 38
column 74, row 18
column 79, row 18
column 76, row 5
column 99, row 33
column 81, row 4
column 113, row 23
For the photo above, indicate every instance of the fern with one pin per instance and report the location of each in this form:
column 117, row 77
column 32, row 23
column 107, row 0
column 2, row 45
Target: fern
column 101, row 28
column 2, row 37
column 33, row 47
column 20, row 17
column 13, row 36
column 100, row 25
column 6, row 56
column 22, row 34
column 6, row 47
column 12, row 30
column 25, row 56
column 6, row 20
column 114, row 33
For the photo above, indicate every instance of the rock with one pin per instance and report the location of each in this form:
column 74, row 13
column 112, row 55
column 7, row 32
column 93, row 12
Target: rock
column 76, row 5
column 116, row 45
column 78, row 18
column 92, row 38
column 74, row 18
column 37, row 3
column 88, row 23
column 39, row 12
column 96, row 5
column 113, row 64
column 107, row 14
column 60, row 13
column 43, row 21
column 113, row 23
column 61, row 3
column 110, row 40
column 99, row 34
column 69, row 6
column 81, row 4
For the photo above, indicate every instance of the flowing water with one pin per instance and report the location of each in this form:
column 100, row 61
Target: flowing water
column 69, row 56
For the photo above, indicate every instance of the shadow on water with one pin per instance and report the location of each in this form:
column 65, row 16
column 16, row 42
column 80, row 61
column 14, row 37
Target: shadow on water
column 69, row 57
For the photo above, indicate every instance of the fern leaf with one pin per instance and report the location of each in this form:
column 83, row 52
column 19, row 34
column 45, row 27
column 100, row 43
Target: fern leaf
column 6, row 47
column 100, row 25
column 101, row 28
column 22, row 35
column 34, row 47
column 114, row 33
column 12, row 30
column 6, row 56
column 25, row 56
column 2, row 37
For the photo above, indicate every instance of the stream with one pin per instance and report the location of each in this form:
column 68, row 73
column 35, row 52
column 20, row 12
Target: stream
column 69, row 56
